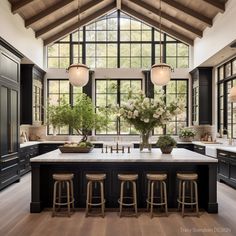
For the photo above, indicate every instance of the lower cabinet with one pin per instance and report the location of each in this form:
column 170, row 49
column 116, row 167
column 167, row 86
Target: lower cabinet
column 227, row 167
column 10, row 171
column 48, row 147
column 26, row 154
column 185, row 145
column 199, row 149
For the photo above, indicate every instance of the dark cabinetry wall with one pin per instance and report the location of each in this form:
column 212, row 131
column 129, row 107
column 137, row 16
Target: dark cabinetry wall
column 227, row 167
column 202, row 96
column 9, row 114
column 31, row 94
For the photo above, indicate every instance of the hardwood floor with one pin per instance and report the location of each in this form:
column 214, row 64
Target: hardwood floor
column 15, row 219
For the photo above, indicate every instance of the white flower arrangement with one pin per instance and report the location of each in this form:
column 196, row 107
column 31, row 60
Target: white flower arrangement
column 146, row 113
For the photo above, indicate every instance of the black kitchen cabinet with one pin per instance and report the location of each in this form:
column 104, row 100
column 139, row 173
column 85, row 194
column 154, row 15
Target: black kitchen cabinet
column 227, row 167
column 202, row 96
column 48, row 147
column 25, row 154
column 199, row 149
column 31, row 94
column 188, row 146
column 9, row 114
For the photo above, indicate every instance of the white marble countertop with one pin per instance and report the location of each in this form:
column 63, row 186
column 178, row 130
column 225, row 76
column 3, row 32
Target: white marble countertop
column 229, row 148
column 177, row 155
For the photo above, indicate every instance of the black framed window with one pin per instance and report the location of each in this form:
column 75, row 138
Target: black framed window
column 175, row 89
column 117, row 40
column 111, row 92
column 226, row 109
column 58, row 89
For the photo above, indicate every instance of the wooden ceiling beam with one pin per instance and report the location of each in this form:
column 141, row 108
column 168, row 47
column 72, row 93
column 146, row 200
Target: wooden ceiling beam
column 220, row 6
column 80, row 23
column 16, row 6
column 46, row 12
column 67, row 17
column 204, row 19
column 168, row 17
column 155, row 24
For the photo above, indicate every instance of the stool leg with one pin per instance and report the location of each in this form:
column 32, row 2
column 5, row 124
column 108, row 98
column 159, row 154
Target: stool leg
column 121, row 196
column 90, row 194
column 54, row 198
column 196, row 197
column 191, row 193
column 59, row 194
column 183, row 198
column 152, row 195
column 165, row 197
column 68, row 196
column 161, row 193
column 88, row 198
column 148, row 194
column 135, row 198
column 180, row 188
column 102, row 198
column 72, row 195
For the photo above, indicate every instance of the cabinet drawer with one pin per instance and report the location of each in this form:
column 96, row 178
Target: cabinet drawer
column 222, row 154
column 199, row 149
column 232, row 171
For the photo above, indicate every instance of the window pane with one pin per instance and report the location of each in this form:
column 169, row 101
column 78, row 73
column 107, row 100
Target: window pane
column 124, row 49
column 64, row 50
column 53, row 63
column 53, row 51
column 182, row 50
column 171, row 49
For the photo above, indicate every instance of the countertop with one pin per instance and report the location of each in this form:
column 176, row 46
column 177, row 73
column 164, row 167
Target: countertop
column 177, row 155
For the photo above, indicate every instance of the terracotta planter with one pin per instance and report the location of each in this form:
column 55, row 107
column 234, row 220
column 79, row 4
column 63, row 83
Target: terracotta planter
column 166, row 150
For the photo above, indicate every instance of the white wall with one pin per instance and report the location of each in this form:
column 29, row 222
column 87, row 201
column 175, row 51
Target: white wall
column 13, row 30
column 222, row 33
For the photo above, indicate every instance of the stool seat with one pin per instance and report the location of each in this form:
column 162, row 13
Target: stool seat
column 63, row 177
column 127, row 177
column 157, row 177
column 187, row 176
column 95, row 177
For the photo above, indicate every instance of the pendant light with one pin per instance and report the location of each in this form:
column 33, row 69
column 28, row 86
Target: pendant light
column 160, row 73
column 78, row 72
column 232, row 94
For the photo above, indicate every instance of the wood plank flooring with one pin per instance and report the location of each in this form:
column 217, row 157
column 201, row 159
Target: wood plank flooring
column 16, row 220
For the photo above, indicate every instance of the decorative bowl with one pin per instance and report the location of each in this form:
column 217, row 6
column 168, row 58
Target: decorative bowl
column 68, row 149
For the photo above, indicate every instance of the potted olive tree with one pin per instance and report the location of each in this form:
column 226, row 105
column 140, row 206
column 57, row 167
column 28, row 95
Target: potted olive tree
column 166, row 144
column 81, row 117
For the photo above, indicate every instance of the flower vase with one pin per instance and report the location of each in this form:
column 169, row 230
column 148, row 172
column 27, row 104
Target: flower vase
column 145, row 142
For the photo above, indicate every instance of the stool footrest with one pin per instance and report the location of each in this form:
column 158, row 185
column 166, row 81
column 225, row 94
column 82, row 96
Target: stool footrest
column 96, row 204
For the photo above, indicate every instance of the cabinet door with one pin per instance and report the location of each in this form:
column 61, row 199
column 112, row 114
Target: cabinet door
column 223, row 169
column 4, row 124
column 232, row 170
column 13, row 116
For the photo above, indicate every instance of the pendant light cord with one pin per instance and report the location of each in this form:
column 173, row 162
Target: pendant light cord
column 78, row 31
column 160, row 32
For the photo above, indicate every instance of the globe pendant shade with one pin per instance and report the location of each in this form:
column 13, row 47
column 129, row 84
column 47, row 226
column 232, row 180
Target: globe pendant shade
column 232, row 94
column 160, row 74
column 78, row 75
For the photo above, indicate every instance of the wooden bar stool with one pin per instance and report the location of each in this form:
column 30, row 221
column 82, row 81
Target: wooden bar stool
column 128, row 178
column 190, row 179
column 60, row 181
column 152, row 180
column 95, row 178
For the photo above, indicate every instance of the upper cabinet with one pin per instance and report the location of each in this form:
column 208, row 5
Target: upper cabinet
column 31, row 94
column 202, row 96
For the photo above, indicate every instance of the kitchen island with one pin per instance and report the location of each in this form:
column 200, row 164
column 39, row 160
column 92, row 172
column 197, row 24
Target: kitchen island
column 44, row 166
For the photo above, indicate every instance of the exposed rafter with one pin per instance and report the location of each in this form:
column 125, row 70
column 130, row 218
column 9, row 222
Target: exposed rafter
column 220, row 6
column 16, row 6
column 155, row 24
column 168, row 17
column 41, row 15
column 67, row 17
column 79, row 24
column 189, row 11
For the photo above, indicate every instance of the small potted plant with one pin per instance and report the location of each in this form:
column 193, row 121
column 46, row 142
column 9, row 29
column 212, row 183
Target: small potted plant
column 187, row 134
column 166, row 144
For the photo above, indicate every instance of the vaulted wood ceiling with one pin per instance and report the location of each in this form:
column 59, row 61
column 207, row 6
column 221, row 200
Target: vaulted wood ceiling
column 53, row 19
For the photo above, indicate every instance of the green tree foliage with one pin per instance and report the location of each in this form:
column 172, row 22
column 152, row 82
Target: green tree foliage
column 81, row 117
